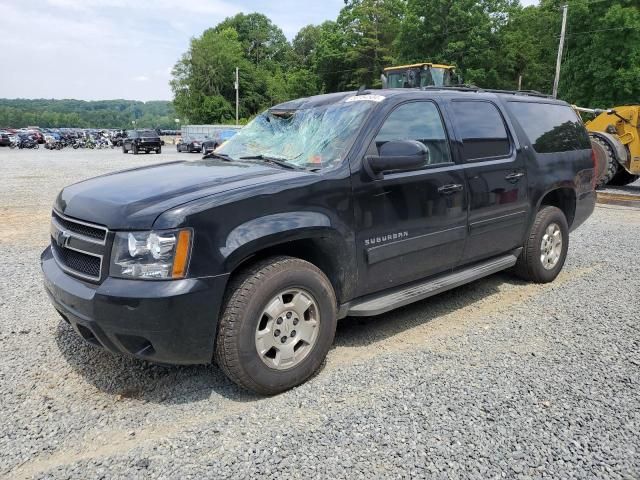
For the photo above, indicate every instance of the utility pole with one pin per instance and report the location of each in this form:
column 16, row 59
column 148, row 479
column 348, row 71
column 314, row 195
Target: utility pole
column 237, row 86
column 560, row 49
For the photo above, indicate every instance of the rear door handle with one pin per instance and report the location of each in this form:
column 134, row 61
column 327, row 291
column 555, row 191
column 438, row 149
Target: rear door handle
column 514, row 177
column 449, row 189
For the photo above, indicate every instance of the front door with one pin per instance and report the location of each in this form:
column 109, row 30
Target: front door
column 410, row 224
column 496, row 176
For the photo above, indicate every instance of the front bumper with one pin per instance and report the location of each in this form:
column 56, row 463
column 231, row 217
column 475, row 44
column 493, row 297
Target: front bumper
column 172, row 321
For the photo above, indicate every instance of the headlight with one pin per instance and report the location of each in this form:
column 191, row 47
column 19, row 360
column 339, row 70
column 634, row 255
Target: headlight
column 160, row 255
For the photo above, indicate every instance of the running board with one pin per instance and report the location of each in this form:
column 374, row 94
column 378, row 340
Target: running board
column 381, row 303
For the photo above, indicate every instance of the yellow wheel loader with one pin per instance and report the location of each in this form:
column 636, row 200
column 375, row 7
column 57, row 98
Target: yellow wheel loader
column 420, row 75
column 615, row 136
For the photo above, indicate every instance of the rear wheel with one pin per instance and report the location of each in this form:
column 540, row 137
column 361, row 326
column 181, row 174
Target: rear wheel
column 277, row 326
column 623, row 178
column 159, row 150
column 545, row 251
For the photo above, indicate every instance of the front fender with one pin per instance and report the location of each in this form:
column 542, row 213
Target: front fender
column 270, row 230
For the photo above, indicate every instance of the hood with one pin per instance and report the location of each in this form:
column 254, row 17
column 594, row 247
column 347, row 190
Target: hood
column 133, row 199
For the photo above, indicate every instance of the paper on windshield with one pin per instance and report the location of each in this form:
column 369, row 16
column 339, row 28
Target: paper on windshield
column 365, row 98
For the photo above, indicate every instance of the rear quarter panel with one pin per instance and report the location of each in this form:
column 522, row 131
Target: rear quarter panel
column 546, row 172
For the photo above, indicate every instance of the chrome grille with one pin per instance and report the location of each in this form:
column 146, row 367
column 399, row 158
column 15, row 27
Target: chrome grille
column 78, row 247
column 78, row 261
column 81, row 228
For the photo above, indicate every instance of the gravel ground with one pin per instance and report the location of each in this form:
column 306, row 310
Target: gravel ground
column 497, row 379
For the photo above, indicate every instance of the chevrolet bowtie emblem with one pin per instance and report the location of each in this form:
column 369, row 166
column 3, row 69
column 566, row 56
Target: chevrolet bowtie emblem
column 62, row 238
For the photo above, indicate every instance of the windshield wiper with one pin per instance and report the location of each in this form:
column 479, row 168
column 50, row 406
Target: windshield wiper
column 277, row 161
column 221, row 156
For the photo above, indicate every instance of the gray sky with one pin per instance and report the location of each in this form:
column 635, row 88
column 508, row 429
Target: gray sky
column 105, row 49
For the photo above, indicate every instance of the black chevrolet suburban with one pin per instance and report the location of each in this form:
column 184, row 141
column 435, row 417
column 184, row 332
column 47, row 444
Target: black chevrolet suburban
column 141, row 141
column 342, row 204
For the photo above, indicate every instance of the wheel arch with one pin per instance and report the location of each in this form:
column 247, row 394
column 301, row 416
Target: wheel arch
column 322, row 245
column 563, row 198
column 620, row 151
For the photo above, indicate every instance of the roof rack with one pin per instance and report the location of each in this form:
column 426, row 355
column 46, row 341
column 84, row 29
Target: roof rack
column 473, row 88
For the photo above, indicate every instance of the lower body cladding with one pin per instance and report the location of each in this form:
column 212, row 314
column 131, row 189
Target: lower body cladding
column 164, row 321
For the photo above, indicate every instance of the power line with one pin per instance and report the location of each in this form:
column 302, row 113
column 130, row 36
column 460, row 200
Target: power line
column 584, row 32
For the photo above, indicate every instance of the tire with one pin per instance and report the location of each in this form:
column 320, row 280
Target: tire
column 135, row 150
column 612, row 165
column 158, row 150
column 244, row 313
column 124, row 150
column 530, row 264
column 623, row 178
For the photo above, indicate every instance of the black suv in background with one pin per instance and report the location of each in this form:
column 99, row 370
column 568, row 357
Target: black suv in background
column 141, row 141
column 322, row 207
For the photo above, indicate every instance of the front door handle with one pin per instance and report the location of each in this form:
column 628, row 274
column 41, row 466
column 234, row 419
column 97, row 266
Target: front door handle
column 449, row 189
column 514, row 177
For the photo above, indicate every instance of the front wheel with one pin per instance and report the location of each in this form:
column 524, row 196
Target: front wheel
column 545, row 251
column 159, row 150
column 277, row 326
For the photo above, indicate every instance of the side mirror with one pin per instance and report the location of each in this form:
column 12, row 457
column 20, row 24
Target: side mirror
column 397, row 155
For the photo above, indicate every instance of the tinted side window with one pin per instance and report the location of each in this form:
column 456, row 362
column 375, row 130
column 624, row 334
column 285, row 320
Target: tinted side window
column 417, row 121
column 550, row 128
column 482, row 129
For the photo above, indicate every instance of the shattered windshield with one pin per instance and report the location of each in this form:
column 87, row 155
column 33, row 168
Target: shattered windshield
column 316, row 137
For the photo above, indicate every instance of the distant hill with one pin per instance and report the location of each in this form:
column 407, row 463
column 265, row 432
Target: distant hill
column 86, row 114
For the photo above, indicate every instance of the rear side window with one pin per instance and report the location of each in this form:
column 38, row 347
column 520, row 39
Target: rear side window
column 551, row 128
column 482, row 129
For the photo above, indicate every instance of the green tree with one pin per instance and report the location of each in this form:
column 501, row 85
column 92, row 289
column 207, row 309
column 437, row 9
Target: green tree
column 602, row 57
column 527, row 47
column 369, row 28
column 261, row 40
column 78, row 113
column 203, row 78
column 461, row 32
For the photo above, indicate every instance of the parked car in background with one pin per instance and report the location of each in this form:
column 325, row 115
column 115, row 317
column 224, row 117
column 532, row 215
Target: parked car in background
column 219, row 137
column 35, row 134
column 5, row 141
column 191, row 144
column 141, row 141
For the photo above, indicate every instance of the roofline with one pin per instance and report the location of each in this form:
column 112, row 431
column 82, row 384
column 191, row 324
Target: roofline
column 423, row 64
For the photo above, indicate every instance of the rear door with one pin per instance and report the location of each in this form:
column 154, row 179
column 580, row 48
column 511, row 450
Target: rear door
column 410, row 224
column 496, row 174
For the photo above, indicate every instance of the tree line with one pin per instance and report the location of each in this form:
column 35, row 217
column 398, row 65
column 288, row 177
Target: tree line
column 86, row 114
column 493, row 43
